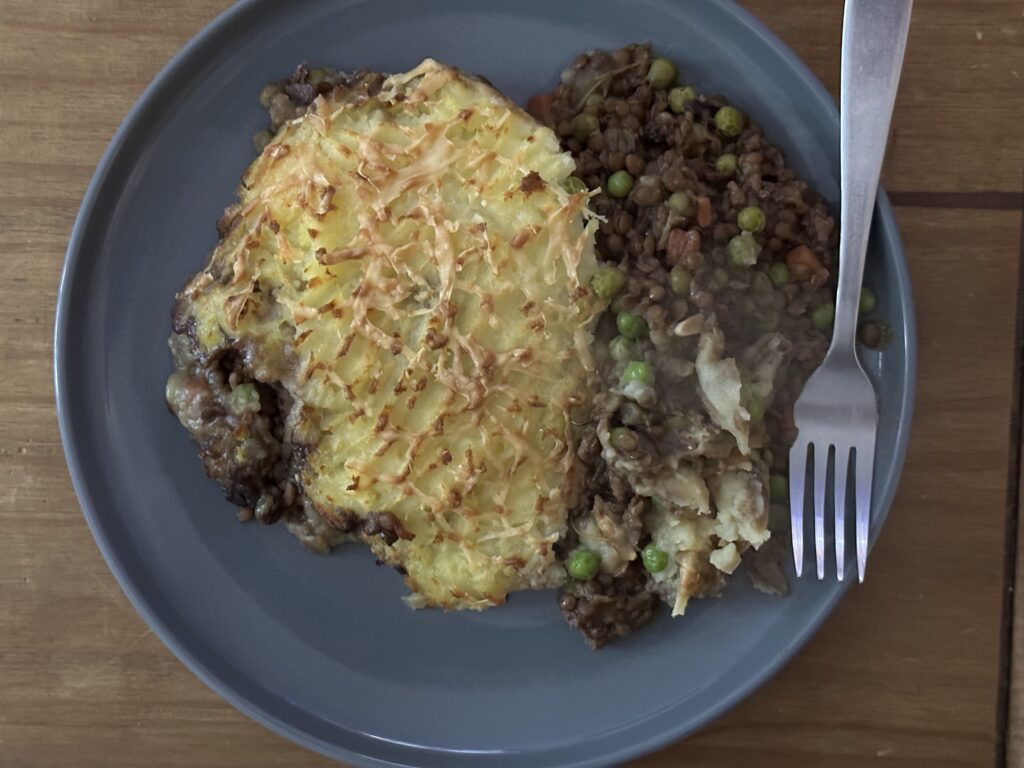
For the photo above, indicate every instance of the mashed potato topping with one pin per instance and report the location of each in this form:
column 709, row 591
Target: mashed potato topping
column 408, row 266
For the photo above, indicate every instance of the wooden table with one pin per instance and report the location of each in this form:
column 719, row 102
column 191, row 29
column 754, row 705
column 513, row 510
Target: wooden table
column 914, row 667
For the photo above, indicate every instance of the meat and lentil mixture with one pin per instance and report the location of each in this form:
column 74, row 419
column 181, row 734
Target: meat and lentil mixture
column 249, row 446
column 701, row 223
column 712, row 250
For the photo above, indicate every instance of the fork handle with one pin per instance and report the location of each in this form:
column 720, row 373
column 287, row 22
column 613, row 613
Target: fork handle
column 874, row 38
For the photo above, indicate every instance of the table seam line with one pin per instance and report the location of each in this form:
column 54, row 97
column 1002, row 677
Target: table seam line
column 992, row 200
column 1004, row 693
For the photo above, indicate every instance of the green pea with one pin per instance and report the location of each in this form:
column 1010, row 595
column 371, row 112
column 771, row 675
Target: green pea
column 729, row 121
column 726, row 163
column 631, row 325
column 621, row 303
column 594, row 100
column 574, row 184
column 608, row 282
column 867, row 300
column 662, row 73
column 753, row 402
column 742, row 250
column 679, row 97
column 583, row 125
column 261, row 139
column 751, row 219
column 679, row 279
column 778, row 489
column 823, row 315
column 620, row 348
column 268, row 93
column 637, row 370
column 778, row 272
column 654, row 558
column 583, row 564
column 620, row 183
column 243, row 399
column 681, row 203
column 623, row 439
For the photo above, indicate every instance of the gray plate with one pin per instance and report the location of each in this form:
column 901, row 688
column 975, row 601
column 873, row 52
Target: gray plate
column 321, row 649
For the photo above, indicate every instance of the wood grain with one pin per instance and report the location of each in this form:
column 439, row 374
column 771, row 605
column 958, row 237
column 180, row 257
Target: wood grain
column 905, row 673
column 958, row 114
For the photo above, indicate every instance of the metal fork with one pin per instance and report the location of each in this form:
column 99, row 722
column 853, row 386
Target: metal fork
column 837, row 414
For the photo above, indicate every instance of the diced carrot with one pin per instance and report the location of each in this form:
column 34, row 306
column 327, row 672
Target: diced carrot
column 541, row 106
column 680, row 243
column 704, row 215
column 803, row 264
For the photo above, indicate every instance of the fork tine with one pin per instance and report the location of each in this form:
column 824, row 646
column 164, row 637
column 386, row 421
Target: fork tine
column 862, row 478
column 797, row 480
column 842, row 465
column 820, row 484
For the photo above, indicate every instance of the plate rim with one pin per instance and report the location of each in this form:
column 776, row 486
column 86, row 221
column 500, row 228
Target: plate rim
column 884, row 219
